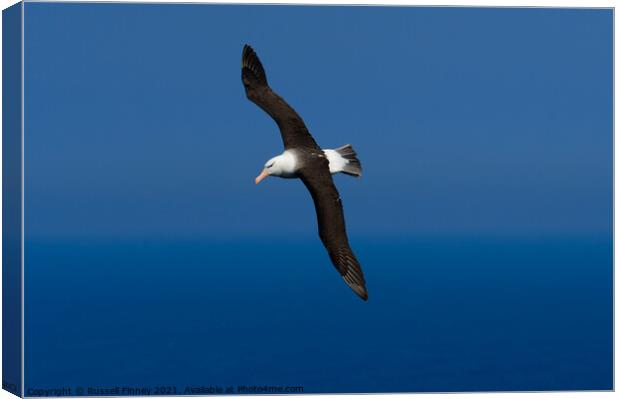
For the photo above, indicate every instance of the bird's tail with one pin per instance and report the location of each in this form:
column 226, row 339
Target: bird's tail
column 353, row 166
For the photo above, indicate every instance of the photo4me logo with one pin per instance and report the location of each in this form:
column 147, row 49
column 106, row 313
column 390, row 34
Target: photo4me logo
column 268, row 389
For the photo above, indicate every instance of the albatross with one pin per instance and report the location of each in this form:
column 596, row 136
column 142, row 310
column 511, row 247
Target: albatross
column 304, row 159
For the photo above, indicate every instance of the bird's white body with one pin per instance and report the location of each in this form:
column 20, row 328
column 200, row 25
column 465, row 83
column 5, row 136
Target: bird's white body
column 286, row 164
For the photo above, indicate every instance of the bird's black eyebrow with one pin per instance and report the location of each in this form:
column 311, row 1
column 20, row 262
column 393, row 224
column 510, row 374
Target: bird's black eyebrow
column 270, row 165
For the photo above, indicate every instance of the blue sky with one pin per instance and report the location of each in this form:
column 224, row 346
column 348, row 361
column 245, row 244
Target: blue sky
column 466, row 120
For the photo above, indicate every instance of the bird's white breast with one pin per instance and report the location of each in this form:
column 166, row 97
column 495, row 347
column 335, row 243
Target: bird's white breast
column 287, row 164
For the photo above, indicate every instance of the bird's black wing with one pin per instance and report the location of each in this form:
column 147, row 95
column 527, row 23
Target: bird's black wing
column 317, row 178
column 292, row 128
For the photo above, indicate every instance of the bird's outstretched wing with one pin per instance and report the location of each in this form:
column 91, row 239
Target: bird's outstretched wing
column 332, row 229
column 292, row 127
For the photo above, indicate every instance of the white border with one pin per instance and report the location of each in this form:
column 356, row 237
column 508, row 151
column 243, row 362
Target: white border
column 475, row 3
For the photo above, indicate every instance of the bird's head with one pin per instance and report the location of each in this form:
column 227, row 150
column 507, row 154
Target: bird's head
column 282, row 166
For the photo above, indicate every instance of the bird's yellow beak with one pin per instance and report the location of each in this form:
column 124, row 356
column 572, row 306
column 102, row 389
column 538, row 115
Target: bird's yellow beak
column 262, row 175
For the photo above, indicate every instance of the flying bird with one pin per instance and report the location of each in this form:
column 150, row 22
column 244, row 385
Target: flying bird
column 304, row 159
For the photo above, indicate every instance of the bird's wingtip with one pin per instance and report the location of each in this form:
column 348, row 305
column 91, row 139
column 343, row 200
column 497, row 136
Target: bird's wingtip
column 360, row 291
column 244, row 54
column 252, row 67
column 248, row 51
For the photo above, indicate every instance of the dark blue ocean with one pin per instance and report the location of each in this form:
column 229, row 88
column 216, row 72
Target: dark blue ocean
column 444, row 314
